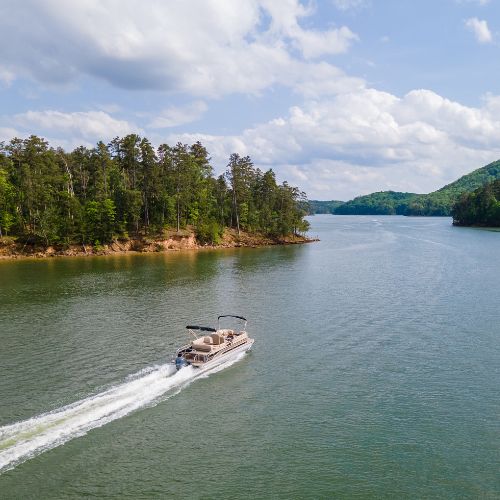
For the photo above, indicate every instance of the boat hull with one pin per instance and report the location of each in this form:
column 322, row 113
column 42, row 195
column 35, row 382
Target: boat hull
column 218, row 360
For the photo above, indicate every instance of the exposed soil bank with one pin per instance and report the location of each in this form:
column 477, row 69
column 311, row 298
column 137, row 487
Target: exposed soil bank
column 12, row 248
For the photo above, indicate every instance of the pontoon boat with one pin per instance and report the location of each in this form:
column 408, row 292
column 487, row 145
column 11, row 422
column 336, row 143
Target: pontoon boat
column 215, row 346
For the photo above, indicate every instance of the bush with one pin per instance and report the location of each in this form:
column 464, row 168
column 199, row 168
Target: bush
column 209, row 232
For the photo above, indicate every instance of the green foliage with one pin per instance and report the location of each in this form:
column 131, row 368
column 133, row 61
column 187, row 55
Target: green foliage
column 258, row 203
column 7, row 206
column 323, row 207
column 99, row 220
column 92, row 196
column 438, row 203
column 381, row 203
column 209, row 232
column 479, row 208
column 48, row 226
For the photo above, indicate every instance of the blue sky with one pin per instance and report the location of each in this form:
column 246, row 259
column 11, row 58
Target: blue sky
column 339, row 97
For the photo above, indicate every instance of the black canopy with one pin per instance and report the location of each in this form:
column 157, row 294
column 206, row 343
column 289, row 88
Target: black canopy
column 202, row 328
column 231, row 316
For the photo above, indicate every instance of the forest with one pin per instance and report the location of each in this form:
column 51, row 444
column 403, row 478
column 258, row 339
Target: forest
column 323, row 207
column 437, row 203
column 479, row 208
column 128, row 188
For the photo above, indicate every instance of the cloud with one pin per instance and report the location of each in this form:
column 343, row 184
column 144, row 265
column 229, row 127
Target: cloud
column 349, row 4
column 321, row 80
column 480, row 30
column 8, row 133
column 110, row 107
column 76, row 128
column 477, row 2
column 6, row 76
column 341, row 139
column 179, row 115
column 368, row 140
column 313, row 44
column 336, row 147
column 201, row 47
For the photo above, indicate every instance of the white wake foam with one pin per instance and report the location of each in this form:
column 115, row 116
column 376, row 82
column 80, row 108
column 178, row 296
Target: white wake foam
column 24, row 440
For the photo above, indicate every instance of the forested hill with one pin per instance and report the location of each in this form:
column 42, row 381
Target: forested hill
column 380, row 203
column 439, row 202
column 479, row 208
column 323, row 207
column 127, row 188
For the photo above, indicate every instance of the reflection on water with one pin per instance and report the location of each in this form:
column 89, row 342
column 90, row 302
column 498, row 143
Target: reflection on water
column 49, row 280
column 374, row 372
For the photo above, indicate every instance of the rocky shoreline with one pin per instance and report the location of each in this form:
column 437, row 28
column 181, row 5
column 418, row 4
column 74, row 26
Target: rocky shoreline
column 12, row 248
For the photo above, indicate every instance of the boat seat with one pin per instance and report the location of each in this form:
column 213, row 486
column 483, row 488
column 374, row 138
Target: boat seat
column 217, row 339
column 202, row 344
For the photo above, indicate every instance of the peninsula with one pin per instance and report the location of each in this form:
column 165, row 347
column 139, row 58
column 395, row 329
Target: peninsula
column 127, row 195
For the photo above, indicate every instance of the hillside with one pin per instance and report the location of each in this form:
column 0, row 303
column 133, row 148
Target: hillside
column 323, row 207
column 479, row 208
column 380, row 203
column 439, row 202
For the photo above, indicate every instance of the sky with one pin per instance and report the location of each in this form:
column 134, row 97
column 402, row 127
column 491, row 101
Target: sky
column 339, row 97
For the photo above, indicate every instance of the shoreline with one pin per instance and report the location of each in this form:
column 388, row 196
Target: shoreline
column 12, row 249
column 477, row 226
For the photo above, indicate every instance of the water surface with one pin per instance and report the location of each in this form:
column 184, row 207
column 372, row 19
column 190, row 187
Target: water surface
column 375, row 370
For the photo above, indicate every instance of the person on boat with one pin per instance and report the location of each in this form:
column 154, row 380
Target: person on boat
column 179, row 361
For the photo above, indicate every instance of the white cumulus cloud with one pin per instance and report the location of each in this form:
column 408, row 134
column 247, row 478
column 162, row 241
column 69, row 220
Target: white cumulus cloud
column 174, row 116
column 349, row 4
column 200, row 47
column 480, row 29
column 81, row 127
column 339, row 140
column 8, row 133
column 317, row 43
column 367, row 140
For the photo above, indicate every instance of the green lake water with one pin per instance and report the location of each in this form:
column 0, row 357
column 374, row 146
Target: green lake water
column 375, row 370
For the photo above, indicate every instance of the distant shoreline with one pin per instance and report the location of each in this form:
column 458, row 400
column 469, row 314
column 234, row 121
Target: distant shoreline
column 478, row 226
column 11, row 248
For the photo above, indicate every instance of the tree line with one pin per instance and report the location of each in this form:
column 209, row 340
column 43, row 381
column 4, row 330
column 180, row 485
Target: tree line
column 437, row 203
column 128, row 188
column 480, row 208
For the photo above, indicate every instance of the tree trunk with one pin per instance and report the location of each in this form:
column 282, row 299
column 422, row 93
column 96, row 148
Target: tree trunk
column 178, row 197
column 236, row 211
column 178, row 213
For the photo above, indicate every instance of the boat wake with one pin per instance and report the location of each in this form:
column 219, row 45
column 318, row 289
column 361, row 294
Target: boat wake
column 26, row 439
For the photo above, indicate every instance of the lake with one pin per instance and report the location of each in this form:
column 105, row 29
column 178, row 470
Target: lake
column 375, row 370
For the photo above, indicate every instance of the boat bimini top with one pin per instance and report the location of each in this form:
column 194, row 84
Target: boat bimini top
column 231, row 316
column 211, row 346
column 201, row 328
column 194, row 328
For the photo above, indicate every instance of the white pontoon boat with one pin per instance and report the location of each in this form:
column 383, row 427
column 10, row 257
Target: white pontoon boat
column 215, row 346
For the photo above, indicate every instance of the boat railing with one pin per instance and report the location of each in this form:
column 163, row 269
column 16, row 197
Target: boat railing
column 196, row 358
